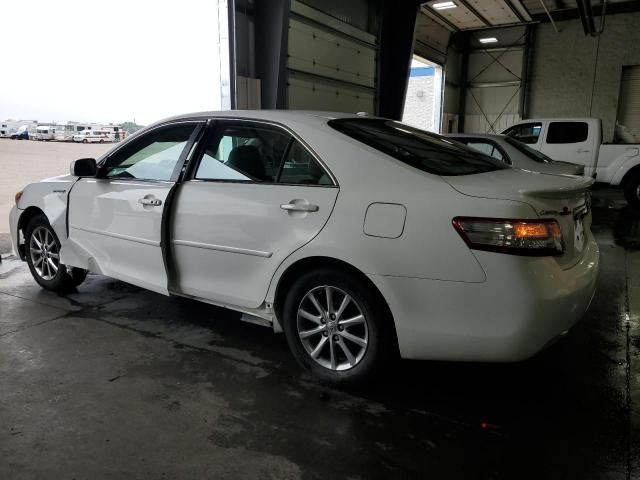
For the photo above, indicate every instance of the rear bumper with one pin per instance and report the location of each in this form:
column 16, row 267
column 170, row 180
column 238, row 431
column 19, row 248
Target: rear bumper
column 525, row 303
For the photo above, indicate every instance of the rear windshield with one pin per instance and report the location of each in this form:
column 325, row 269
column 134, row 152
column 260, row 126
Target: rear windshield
column 425, row 151
column 533, row 154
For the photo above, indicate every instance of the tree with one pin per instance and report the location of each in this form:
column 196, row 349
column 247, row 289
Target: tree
column 131, row 127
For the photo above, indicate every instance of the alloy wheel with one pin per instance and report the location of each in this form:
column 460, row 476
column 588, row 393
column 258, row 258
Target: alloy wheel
column 332, row 328
column 45, row 254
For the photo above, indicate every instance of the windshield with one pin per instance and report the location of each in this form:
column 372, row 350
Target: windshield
column 425, row 151
column 534, row 155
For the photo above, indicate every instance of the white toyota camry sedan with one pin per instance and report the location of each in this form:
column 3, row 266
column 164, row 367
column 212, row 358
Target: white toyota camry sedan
column 359, row 237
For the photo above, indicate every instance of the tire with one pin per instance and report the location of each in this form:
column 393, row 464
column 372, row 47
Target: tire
column 632, row 191
column 53, row 275
column 374, row 333
column 78, row 275
column 101, row 141
column 85, row 141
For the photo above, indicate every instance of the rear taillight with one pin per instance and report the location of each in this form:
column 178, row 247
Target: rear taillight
column 516, row 237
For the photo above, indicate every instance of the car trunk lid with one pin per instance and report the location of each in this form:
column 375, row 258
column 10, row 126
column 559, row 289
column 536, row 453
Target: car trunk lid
column 563, row 198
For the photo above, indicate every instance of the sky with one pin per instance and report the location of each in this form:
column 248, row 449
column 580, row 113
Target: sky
column 115, row 61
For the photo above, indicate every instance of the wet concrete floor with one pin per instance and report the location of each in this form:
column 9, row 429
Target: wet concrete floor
column 116, row 382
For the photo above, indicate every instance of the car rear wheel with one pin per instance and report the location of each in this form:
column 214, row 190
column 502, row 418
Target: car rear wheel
column 336, row 327
column 632, row 191
column 43, row 258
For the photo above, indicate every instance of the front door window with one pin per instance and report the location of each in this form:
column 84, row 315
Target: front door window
column 154, row 156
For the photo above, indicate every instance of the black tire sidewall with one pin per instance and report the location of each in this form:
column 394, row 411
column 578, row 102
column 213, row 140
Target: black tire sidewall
column 630, row 189
column 78, row 275
column 378, row 347
column 62, row 280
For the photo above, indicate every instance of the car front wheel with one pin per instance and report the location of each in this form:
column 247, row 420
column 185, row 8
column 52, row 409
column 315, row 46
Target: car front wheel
column 43, row 258
column 336, row 327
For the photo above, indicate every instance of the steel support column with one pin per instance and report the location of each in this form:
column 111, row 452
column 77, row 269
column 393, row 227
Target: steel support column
column 398, row 23
column 271, row 47
column 233, row 73
column 464, row 81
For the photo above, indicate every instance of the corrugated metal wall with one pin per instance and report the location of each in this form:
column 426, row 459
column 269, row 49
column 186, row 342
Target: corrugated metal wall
column 331, row 63
column 431, row 39
column 357, row 13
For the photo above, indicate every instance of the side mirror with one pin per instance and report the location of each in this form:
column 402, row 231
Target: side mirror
column 84, row 167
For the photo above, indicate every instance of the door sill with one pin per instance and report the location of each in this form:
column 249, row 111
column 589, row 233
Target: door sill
column 258, row 316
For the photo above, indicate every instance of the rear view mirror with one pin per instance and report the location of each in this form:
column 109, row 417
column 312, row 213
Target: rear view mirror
column 83, row 167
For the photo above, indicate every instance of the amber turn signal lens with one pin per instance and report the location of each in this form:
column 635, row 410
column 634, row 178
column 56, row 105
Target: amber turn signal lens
column 530, row 230
column 18, row 196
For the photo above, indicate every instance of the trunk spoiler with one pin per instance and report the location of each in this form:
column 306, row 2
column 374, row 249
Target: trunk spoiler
column 581, row 186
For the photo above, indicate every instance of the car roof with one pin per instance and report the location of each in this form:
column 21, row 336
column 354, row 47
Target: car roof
column 557, row 119
column 271, row 115
column 291, row 118
column 475, row 135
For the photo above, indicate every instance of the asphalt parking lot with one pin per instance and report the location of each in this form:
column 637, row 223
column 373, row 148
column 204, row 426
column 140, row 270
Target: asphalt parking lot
column 27, row 161
column 114, row 381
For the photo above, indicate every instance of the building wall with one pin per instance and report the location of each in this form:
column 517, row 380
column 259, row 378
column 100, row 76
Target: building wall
column 493, row 81
column 575, row 75
column 484, row 81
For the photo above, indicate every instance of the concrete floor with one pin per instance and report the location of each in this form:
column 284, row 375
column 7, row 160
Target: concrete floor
column 117, row 382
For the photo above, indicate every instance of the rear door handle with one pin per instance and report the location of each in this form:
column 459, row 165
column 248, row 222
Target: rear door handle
column 299, row 207
column 582, row 150
column 154, row 202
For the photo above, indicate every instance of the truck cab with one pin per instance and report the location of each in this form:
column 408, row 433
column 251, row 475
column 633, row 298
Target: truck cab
column 579, row 140
column 573, row 140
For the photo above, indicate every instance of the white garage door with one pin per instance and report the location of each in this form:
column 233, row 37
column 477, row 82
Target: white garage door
column 331, row 64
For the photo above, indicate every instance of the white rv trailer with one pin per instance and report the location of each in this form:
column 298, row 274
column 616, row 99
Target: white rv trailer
column 5, row 129
column 9, row 128
column 115, row 133
column 58, row 131
column 44, row 132
column 65, row 133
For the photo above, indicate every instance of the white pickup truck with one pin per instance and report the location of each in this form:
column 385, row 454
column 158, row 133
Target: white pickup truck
column 579, row 140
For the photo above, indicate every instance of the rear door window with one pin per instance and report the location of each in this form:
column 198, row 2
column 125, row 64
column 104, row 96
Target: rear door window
column 488, row 148
column 525, row 132
column 534, row 155
column 258, row 153
column 425, row 151
column 300, row 168
column 567, row 132
column 243, row 151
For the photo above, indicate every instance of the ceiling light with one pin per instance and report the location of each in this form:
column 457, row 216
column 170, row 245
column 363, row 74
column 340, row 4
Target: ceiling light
column 443, row 5
column 488, row 40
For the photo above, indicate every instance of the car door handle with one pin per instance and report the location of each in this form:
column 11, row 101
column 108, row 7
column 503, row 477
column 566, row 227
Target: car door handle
column 582, row 150
column 154, row 202
column 299, row 207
